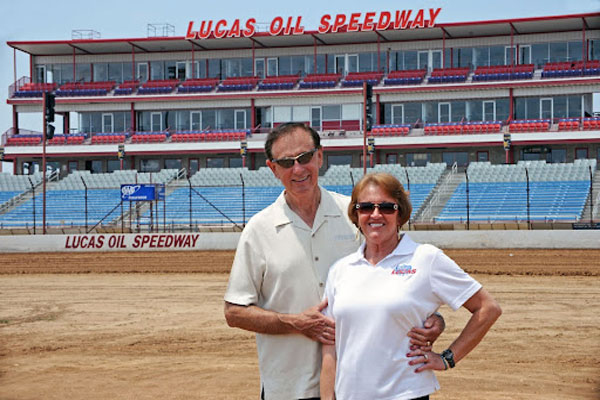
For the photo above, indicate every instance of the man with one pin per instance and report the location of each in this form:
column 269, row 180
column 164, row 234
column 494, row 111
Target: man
column 281, row 264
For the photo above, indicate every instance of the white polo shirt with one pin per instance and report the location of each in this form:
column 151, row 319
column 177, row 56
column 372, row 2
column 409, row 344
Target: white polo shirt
column 281, row 264
column 374, row 307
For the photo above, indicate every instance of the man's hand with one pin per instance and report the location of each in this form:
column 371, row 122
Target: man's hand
column 313, row 324
column 423, row 338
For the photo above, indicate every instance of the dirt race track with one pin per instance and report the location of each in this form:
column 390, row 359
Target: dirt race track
column 150, row 326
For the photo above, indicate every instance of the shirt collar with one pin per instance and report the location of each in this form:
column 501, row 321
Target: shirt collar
column 406, row 246
column 285, row 215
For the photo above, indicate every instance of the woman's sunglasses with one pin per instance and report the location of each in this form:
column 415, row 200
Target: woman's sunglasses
column 302, row 158
column 368, row 207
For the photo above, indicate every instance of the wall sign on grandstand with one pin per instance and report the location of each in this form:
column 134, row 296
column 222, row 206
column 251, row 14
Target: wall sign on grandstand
column 355, row 22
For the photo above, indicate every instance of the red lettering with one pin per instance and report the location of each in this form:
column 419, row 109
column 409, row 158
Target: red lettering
column 325, row 26
column 190, row 32
column 235, row 29
column 368, row 24
column 250, row 28
column 220, row 33
column 169, row 241
column 153, row 240
column 161, row 241
column 178, row 240
column 145, row 240
column 385, row 18
column 419, row 21
column 276, row 26
column 112, row 241
column 288, row 27
column 433, row 15
column 67, row 245
column 205, row 29
column 340, row 20
column 353, row 25
column 298, row 29
column 402, row 20
column 100, row 242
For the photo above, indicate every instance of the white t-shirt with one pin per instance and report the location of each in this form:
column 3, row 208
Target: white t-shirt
column 374, row 307
column 281, row 264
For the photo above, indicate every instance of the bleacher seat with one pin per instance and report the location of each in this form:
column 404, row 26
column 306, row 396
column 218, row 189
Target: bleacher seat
column 198, row 85
column 448, row 75
column 391, row 130
column 354, row 79
column 503, row 72
column 109, row 138
column 85, row 88
column 34, row 89
column 159, row 86
column 281, row 82
column 529, row 125
column 571, row 69
column 462, row 128
column 405, row 77
column 568, row 124
column 24, row 140
column 148, row 137
column 240, row 83
column 557, row 192
column 591, row 123
column 127, row 87
column 210, row 135
column 319, row 81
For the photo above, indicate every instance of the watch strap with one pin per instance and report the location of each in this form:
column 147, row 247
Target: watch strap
column 448, row 355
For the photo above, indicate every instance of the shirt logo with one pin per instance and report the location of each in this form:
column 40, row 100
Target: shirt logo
column 404, row 269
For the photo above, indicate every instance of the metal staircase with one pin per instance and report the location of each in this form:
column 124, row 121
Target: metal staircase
column 435, row 202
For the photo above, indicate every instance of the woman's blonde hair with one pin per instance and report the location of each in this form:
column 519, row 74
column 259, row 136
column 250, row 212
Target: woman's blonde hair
column 391, row 186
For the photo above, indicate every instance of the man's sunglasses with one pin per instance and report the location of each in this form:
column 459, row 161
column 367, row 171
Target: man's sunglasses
column 302, row 158
column 368, row 207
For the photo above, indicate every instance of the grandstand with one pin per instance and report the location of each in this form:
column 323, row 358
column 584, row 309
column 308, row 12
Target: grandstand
column 486, row 97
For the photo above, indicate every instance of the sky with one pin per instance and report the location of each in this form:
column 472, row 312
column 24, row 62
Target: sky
column 55, row 20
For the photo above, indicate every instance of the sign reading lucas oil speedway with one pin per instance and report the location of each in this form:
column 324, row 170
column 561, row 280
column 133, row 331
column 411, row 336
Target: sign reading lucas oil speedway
column 355, row 22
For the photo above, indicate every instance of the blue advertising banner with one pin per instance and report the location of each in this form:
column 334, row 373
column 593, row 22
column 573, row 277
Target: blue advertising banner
column 139, row 192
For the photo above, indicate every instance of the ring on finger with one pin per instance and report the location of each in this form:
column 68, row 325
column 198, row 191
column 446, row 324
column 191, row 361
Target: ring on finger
column 426, row 357
column 428, row 343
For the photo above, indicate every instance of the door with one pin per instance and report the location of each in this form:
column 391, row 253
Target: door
column 272, row 69
column 315, row 117
column 142, row 72
column 489, row 110
column 546, row 108
column 156, row 121
column 340, row 64
column 107, row 123
column 40, row 74
column 397, row 114
column 195, row 120
column 180, row 70
column 259, row 67
column 444, row 110
column 510, row 55
column 240, row 119
column 436, row 59
column 352, row 63
column 423, row 60
column 525, row 54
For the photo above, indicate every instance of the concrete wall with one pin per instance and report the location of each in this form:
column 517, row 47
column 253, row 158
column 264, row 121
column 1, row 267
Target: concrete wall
column 552, row 239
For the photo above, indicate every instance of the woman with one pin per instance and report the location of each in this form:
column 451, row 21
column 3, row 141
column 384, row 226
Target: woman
column 379, row 292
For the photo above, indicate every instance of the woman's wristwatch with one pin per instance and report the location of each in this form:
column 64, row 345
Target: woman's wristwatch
column 448, row 356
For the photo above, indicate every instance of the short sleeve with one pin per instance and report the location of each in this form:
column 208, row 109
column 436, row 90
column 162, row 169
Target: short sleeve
column 247, row 271
column 329, row 293
column 450, row 283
